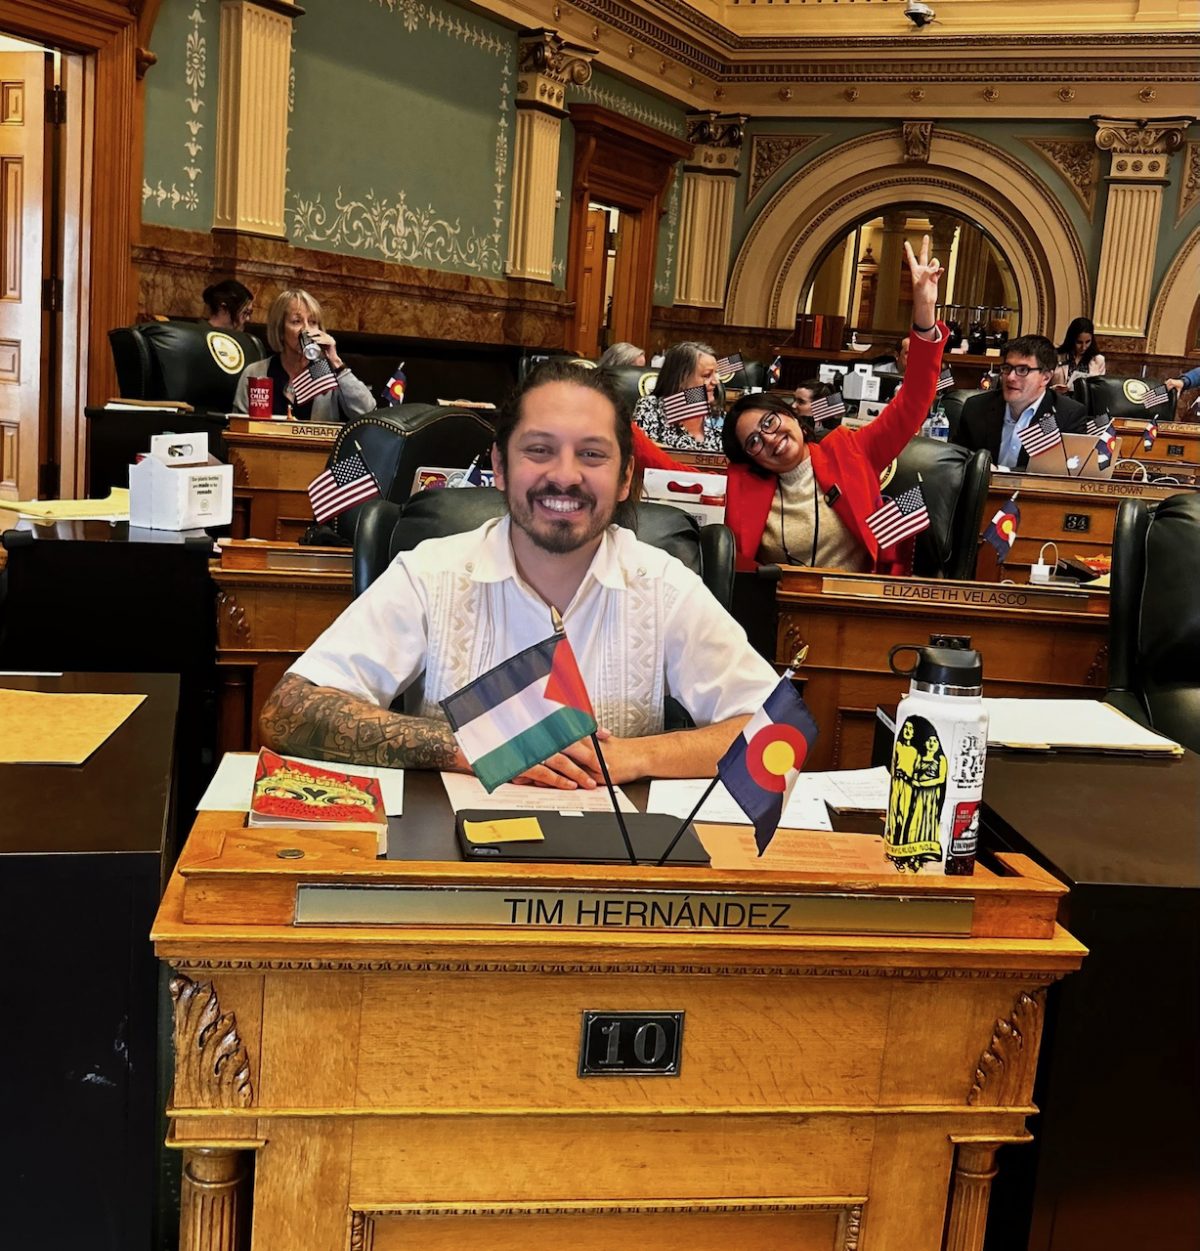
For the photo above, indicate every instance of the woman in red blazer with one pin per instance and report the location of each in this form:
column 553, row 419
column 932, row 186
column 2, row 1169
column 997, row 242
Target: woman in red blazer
column 795, row 501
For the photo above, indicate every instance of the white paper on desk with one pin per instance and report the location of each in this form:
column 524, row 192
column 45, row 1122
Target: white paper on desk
column 1079, row 723
column 855, row 790
column 805, row 810
column 465, row 790
column 233, row 783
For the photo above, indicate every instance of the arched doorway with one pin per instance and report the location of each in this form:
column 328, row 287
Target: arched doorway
column 867, row 175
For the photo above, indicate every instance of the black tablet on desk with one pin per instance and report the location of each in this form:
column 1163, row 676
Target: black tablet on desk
column 583, row 838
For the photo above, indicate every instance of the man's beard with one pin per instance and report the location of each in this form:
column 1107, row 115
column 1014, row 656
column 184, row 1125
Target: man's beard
column 558, row 537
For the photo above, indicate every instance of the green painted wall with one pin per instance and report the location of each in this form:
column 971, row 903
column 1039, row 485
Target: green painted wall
column 401, row 134
column 181, row 116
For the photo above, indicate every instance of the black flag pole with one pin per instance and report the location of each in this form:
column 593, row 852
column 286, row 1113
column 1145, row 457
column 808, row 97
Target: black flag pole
column 557, row 621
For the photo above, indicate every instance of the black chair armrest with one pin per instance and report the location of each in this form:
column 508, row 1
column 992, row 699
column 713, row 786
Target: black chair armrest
column 717, row 558
column 1125, row 602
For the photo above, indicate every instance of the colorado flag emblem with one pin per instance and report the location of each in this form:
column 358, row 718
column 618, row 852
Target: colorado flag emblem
column 521, row 712
column 763, row 762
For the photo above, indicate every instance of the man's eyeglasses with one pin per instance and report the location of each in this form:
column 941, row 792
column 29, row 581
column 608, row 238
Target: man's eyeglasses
column 1022, row 371
column 768, row 423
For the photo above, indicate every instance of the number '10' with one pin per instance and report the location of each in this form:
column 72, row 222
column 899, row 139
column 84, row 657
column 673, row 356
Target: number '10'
column 649, row 1043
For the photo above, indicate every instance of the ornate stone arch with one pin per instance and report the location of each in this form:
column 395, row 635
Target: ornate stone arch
column 820, row 202
column 1176, row 303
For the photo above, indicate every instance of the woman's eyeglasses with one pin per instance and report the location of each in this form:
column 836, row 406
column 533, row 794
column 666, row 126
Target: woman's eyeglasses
column 1022, row 371
column 768, row 423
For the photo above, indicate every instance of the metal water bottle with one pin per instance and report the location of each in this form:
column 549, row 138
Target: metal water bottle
column 937, row 760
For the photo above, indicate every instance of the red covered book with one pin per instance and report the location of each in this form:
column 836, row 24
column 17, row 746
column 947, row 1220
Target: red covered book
column 289, row 793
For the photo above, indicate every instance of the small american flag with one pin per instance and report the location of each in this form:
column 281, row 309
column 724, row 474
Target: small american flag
column 1149, row 434
column 827, row 407
column 727, row 366
column 945, row 380
column 1040, row 435
column 1156, row 396
column 1090, row 427
column 313, row 381
column 774, row 371
column 345, row 483
column 899, row 518
column 684, row 405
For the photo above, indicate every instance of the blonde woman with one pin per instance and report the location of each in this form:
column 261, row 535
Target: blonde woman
column 295, row 317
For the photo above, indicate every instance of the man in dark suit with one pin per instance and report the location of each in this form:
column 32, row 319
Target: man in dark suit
column 995, row 419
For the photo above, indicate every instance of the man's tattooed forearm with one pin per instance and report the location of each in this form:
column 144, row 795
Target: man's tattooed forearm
column 301, row 719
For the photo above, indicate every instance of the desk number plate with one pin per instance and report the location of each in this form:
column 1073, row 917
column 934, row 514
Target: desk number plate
column 1175, row 449
column 1077, row 523
column 630, row 1044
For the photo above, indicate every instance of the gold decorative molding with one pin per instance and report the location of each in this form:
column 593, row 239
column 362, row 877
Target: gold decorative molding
column 548, row 54
column 1078, row 162
column 1130, row 137
column 769, row 154
column 917, row 138
column 1189, row 183
column 212, row 1069
column 1004, row 1073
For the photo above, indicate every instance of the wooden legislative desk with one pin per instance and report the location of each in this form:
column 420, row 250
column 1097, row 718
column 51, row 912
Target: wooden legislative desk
column 843, row 1083
column 1042, row 642
column 273, row 463
column 1079, row 514
column 1178, row 442
column 273, row 600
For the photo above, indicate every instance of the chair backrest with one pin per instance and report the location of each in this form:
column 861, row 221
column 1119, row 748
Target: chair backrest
column 182, row 360
column 386, row 528
column 954, row 482
column 952, row 406
column 1120, row 397
column 633, row 382
column 396, row 442
column 1154, row 616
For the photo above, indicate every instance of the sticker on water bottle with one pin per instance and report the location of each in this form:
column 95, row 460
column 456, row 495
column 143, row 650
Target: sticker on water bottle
column 970, row 749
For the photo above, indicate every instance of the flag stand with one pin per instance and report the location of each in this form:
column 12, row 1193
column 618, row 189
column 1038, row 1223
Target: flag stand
column 686, row 822
column 612, row 794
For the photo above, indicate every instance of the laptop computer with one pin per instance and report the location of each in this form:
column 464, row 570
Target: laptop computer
column 1075, row 457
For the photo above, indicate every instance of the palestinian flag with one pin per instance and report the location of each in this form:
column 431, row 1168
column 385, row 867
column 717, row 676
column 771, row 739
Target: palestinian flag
column 521, row 712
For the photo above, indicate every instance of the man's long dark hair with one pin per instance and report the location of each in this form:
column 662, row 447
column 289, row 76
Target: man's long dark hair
column 565, row 369
column 1081, row 325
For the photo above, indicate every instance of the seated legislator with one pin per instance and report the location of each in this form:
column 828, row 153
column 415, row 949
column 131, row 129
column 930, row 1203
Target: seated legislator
column 295, row 313
column 685, row 365
column 792, row 500
column 995, row 419
column 228, row 305
column 1078, row 355
column 642, row 625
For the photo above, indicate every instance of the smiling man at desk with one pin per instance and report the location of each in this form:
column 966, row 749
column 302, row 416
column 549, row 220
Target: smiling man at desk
column 641, row 624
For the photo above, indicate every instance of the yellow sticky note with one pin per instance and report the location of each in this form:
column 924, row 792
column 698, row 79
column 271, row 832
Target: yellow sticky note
column 504, row 830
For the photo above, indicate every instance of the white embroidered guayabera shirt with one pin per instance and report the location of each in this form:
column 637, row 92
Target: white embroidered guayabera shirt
column 642, row 626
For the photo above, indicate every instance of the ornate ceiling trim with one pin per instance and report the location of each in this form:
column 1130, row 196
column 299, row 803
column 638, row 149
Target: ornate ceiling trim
column 701, row 44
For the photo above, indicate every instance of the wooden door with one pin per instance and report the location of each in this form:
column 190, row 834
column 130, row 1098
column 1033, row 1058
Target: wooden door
column 625, row 328
column 22, row 138
column 592, row 284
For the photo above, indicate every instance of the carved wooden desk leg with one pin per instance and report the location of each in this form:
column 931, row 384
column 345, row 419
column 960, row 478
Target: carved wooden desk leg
column 974, row 1169
column 214, row 1206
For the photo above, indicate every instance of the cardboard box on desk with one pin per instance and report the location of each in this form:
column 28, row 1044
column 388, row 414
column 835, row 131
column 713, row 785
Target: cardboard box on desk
column 179, row 486
column 702, row 495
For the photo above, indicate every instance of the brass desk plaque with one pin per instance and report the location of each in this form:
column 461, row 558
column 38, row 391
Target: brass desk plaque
column 959, row 594
column 516, row 908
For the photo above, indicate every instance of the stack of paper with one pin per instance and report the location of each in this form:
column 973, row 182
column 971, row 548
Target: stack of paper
column 1085, row 724
column 465, row 790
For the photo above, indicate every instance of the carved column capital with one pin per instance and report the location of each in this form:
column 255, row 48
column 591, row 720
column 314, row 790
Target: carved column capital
column 546, row 64
column 1141, row 151
column 917, row 138
column 708, row 128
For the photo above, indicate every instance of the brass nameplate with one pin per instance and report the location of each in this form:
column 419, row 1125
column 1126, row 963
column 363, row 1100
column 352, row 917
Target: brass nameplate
column 1046, row 484
column 306, row 560
column 284, row 429
column 514, row 908
column 958, row 594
